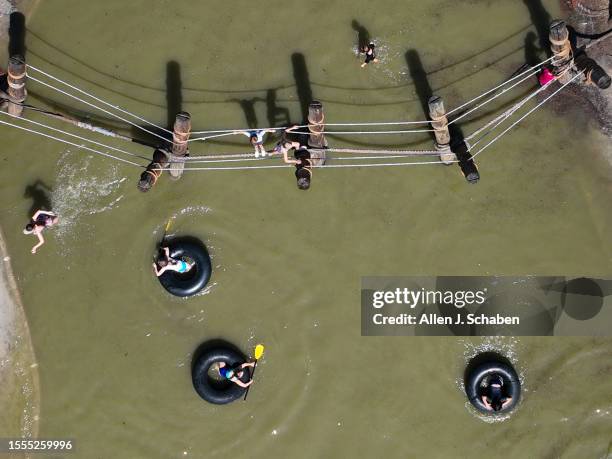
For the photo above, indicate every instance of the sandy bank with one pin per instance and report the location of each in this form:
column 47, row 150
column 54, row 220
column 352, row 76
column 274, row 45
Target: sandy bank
column 19, row 397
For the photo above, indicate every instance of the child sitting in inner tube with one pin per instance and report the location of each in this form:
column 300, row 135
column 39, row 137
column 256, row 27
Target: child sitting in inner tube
column 235, row 374
column 167, row 263
column 494, row 398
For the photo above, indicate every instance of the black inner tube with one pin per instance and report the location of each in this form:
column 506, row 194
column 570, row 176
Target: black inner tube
column 191, row 282
column 478, row 384
column 218, row 391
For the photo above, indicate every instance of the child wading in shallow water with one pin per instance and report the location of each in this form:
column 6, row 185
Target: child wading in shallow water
column 370, row 54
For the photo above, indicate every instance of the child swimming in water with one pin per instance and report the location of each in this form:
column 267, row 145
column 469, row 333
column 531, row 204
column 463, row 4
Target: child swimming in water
column 40, row 220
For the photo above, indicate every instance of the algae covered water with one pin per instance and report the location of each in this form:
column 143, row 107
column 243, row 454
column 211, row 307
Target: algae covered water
column 114, row 350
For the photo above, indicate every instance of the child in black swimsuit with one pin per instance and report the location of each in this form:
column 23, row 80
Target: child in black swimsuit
column 40, row 220
column 303, row 167
column 370, row 54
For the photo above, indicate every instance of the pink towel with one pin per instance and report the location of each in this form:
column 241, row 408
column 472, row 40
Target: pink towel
column 545, row 77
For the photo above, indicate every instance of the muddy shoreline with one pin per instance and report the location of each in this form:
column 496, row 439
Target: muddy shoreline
column 20, row 395
column 19, row 398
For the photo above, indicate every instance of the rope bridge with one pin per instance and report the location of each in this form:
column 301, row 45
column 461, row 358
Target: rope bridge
column 361, row 158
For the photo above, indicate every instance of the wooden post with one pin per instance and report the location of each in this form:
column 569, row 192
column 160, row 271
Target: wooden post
column 316, row 126
column 439, row 122
column 154, row 170
column 16, row 85
column 590, row 17
column 180, row 147
column 562, row 51
column 594, row 73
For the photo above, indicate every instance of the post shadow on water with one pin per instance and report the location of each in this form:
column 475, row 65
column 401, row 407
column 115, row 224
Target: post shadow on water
column 174, row 104
column 363, row 36
column 424, row 93
column 16, row 43
column 532, row 50
column 541, row 21
column 17, row 33
column 302, row 83
column 40, row 194
column 174, row 92
column 419, row 79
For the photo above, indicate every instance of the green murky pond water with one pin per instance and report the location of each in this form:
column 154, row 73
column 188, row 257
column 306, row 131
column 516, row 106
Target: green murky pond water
column 114, row 349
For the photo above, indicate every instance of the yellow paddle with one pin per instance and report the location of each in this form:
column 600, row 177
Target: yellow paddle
column 167, row 229
column 161, row 243
column 259, row 350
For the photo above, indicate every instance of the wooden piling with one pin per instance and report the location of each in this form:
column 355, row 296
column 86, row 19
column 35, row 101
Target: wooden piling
column 316, row 127
column 148, row 178
column 16, row 85
column 562, row 50
column 590, row 17
column 593, row 72
column 439, row 123
column 180, row 145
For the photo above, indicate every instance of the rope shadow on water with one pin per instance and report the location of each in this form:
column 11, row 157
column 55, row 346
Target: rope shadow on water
column 229, row 91
column 306, row 88
column 136, row 83
column 277, row 116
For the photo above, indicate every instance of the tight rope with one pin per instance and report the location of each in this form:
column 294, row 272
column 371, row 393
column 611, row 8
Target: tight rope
column 382, row 123
column 97, row 99
column 502, row 117
column 499, row 94
column 470, row 102
column 497, row 121
column 326, row 166
column 383, row 154
column 409, row 131
column 195, row 159
column 77, row 137
column 98, row 108
column 83, row 147
column 345, row 158
column 525, row 115
column 227, row 132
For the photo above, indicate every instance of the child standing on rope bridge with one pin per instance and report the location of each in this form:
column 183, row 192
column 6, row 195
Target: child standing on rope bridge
column 303, row 166
column 256, row 137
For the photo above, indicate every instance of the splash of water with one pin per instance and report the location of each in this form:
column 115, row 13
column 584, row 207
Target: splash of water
column 83, row 188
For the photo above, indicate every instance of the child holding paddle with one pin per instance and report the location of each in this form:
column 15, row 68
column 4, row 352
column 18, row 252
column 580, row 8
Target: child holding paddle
column 235, row 374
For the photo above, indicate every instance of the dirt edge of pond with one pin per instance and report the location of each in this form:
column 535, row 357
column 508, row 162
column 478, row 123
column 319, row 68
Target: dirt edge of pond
column 20, row 395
